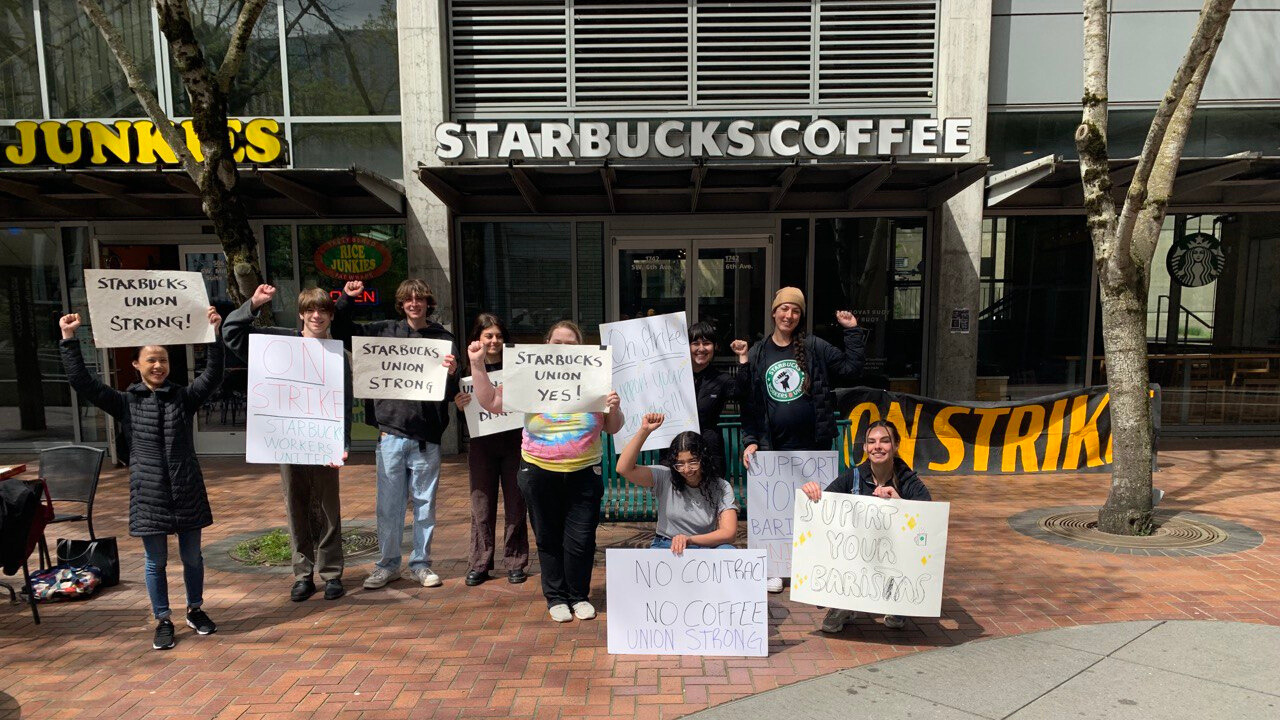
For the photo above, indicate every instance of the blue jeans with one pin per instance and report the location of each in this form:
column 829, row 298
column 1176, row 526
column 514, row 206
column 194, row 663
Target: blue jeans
column 662, row 542
column 406, row 470
column 156, row 549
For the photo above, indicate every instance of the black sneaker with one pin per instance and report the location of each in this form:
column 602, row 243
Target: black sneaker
column 515, row 577
column 475, row 577
column 302, row 590
column 200, row 622
column 333, row 589
column 164, row 635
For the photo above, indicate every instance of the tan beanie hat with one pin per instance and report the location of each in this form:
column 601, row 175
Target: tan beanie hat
column 788, row 295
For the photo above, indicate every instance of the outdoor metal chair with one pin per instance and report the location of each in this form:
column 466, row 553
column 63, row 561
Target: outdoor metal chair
column 71, row 472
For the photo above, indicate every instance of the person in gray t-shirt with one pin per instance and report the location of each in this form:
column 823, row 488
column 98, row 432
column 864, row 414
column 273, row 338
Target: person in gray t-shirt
column 696, row 507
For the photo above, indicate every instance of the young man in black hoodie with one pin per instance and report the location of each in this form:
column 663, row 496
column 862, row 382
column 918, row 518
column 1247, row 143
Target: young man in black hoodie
column 409, row 439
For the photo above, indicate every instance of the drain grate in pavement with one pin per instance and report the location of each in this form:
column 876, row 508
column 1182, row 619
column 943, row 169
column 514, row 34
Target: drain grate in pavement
column 1178, row 533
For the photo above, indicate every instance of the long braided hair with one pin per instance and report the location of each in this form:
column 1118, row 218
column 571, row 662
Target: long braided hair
column 694, row 444
column 800, row 354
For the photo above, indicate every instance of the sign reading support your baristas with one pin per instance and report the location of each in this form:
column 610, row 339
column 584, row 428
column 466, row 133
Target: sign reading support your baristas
column 652, row 373
column 705, row 602
column 556, row 378
column 481, row 422
column 864, row 553
column 128, row 308
column 772, row 479
column 296, row 405
column 399, row 368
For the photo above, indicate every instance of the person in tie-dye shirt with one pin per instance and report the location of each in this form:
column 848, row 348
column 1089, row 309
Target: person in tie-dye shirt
column 560, row 479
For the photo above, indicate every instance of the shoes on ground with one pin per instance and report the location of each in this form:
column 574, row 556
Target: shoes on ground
column 475, row 577
column 895, row 622
column 302, row 590
column 426, row 577
column 164, row 634
column 379, row 578
column 197, row 620
column 836, row 619
column 560, row 613
column 584, row 610
column 333, row 589
column 515, row 577
column 775, row 585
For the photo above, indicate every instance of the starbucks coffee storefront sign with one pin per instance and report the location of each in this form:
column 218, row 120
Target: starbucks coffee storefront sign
column 784, row 138
column 132, row 142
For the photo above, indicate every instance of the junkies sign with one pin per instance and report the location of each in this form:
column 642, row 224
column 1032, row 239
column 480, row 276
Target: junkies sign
column 399, row 368
column 128, row 308
column 296, row 405
column 705, row 602
column 556, row 378
column 772, row 479
column 481, row 422
column 652, row 373
column 860, row 552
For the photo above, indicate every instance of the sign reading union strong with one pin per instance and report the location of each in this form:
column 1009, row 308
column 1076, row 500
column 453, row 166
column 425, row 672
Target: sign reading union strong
column 352, row 257
column 132, row 142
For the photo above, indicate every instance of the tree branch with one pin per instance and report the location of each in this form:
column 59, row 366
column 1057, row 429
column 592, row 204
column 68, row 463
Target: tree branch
column 239, row 41
column 1091, row 135
column 171, row 134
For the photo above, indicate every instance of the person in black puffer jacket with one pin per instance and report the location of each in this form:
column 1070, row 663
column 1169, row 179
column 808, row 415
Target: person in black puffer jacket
column 166, row 489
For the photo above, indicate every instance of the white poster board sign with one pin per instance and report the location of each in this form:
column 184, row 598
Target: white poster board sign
column 556, row 378
column 386, row 368
column 128, row 308
column 481, row 422
column 652, row 373
column 296, row 405
column 772, row 479
column 861, row 552
column 705, row 602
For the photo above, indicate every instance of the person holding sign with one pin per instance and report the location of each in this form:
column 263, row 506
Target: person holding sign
column 493, row 461
column 696, row 508
column 883, row 475
column 560, row 478
column 789, row 400
column 409, row 438
column 166, row 488
column 311, row 500
column 712, row 387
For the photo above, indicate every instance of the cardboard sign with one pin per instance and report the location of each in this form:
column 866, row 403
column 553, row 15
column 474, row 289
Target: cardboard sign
column 128, row 308
column 652, row 373
column 296, row 405
column 556, row 378
column 705, row 602
column 772, row 480
column 399, row 368
column 481, row 422
column 861, row 552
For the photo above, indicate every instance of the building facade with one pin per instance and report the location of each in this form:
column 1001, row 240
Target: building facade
column 910, row 160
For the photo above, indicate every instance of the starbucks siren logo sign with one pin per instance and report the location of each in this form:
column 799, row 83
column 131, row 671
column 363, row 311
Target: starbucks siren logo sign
column 784, row 380
column 1195, row 260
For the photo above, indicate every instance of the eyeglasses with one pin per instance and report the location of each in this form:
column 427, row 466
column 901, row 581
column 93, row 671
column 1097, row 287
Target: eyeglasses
column 691, row 465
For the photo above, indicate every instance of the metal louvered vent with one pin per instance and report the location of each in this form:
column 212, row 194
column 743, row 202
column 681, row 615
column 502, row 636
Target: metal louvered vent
column 509, row 53
column 756, row 52
column 882, row 50
column 631, row 53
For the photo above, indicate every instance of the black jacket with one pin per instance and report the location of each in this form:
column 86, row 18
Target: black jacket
column 713, row 389
column 826, row 364
column 859, row 481
column 413, row 419
column 166, row 488
column 236, row 330
column 19, row 506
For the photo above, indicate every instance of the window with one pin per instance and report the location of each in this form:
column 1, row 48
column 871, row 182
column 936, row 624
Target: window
column 257, row 90
column 518, row 271
column 382, row 257
column 19, row 71
column 590, row 254
column 343, row 57
column 85, row 79
column 794, row 252
column 373, row 146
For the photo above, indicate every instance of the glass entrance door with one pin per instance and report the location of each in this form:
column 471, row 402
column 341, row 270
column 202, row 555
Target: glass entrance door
column 220, row 423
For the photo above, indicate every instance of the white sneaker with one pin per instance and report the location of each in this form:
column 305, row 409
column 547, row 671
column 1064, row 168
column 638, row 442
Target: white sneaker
column 775, row 585
column 836, row 620
column 379, row 578
column 895, row 622
column 560, row 613
column 584, row 610
column 426, row 577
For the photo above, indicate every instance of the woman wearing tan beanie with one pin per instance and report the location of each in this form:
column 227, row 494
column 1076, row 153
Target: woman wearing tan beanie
column 789, row 401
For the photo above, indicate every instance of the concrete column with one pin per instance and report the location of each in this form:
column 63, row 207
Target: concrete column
column 424, row 102
column 964, row 55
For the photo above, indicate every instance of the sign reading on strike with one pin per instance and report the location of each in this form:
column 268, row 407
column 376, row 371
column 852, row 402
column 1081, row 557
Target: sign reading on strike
column 556, row 378
column 705, row 602
column 128, row 308
column 399, row 368
column 652, row 373
column 772, row 479
column 861, row 552
column 481, row 422
column 296, row 405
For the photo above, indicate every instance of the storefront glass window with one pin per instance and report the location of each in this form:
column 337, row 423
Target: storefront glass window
column 794, row 254
column 875, row 268
column 279, row 271
column 76, row 257
column 520, row 271
column 85, row 80
column 343, row 57
column 330, row 255
column 373, row 146
column 590, row 257
column 257, row 89
column 19, row 72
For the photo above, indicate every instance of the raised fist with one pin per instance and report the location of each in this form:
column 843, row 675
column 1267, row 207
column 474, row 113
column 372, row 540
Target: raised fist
column 651, row 421
column 739, row 348
column 475, row 353
column 214, row 318
column 846, row 319
column 262, row 295
column 69, row 324
column 353, row 288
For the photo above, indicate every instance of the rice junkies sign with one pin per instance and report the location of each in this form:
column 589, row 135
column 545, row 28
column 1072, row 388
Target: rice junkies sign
column 1065, row 432
column 128, row 308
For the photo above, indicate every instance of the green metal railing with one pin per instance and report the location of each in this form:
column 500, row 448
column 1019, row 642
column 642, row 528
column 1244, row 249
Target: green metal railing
column 624, row 502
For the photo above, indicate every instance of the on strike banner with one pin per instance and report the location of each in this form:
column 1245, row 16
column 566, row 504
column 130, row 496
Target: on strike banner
column 1065, row 432
column 481, row 422
column 128, row 308
column 772, row 480
column 860, row 552
column 652, row 373
column 705, row 602
column 296, row 405
column 399, row 368
column 556, row 378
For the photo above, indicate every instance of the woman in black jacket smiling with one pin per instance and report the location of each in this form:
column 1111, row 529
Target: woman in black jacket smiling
column 166, row 489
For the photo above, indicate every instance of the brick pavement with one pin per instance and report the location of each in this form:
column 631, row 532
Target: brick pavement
column 491, row 651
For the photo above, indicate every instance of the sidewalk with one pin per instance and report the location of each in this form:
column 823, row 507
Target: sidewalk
column 490, row 651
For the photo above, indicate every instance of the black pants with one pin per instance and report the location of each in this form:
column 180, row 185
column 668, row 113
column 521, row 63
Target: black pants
column 494, row 461
column 565, row 510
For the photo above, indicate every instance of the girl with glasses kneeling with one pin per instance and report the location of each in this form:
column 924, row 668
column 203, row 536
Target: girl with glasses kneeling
column 696, row 507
